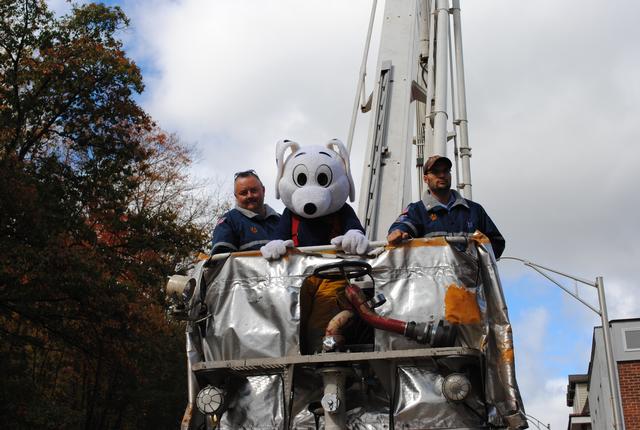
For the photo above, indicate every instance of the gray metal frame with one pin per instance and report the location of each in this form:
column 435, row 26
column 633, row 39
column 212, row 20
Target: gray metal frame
column 251, row 364
column 334, row 360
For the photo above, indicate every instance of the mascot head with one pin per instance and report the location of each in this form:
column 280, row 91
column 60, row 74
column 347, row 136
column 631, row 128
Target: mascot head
column 313, row 180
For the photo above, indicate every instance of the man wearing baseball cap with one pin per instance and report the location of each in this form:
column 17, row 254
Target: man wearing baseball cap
column 443, row 210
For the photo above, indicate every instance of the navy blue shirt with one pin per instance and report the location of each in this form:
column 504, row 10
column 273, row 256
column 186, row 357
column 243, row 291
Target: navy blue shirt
column 243, row 230
column 429, row 217
column 318, row 231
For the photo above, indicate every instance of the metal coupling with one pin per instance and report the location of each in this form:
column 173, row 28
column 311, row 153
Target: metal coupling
column 433, row 334
column 330, row 343
column 377, row 301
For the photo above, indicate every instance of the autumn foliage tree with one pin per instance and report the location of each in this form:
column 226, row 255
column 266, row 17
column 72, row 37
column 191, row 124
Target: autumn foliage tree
column 96, row 208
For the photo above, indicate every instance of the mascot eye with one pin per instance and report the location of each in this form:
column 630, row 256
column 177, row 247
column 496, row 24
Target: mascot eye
column 324, row 176
column 300, row 175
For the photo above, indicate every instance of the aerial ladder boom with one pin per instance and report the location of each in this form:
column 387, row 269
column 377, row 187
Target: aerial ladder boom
column 410, row 105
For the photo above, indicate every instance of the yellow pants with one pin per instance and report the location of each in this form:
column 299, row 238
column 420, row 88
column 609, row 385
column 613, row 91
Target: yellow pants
column 320, row 301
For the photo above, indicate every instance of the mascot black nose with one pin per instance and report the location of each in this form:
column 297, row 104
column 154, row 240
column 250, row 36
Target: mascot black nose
column 310, row 208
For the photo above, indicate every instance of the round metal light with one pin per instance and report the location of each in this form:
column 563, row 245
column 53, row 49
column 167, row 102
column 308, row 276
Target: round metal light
column 210, row 400
column 456, row 387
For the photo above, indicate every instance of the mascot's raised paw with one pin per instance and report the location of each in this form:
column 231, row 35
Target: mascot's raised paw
column 275, row 249
column 352, row 242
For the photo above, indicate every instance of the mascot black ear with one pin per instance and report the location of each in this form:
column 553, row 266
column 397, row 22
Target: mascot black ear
column 344, row 154
column 281, row 148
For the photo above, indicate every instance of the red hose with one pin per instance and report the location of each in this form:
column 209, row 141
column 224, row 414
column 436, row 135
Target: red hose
column 359, row 302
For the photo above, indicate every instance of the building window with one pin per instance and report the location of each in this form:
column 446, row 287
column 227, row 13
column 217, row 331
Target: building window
column 632, row 339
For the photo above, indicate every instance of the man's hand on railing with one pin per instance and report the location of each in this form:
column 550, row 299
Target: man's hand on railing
column 397, row 236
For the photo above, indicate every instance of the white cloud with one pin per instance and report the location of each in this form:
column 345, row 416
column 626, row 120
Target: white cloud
column 622, row 302
column 238, row 76
column 548, row 403
column 552, row 122
column 543, row 394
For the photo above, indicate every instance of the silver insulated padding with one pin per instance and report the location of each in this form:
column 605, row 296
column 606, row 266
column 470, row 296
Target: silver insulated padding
column 244, row 333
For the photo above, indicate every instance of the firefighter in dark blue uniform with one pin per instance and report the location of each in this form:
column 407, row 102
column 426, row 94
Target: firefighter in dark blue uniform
column 443, row 210
column 250, row 224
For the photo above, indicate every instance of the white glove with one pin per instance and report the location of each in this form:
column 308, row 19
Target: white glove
column 352, row 242
column 275, row 249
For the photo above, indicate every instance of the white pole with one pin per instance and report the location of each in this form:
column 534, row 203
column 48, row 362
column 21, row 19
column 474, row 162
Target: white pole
column 461, row 114
column 361, row 77
column 334, row 400
column 454, row 112
column 440, row 105
column 424, row 27
column 192, row 384
column 426, row 36
column 618, row 423
column 430, row 84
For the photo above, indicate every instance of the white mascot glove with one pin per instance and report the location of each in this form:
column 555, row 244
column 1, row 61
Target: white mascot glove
column 352, row 242
column 275, row 249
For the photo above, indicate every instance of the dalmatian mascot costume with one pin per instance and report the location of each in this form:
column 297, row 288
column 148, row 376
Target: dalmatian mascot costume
column 314, row 183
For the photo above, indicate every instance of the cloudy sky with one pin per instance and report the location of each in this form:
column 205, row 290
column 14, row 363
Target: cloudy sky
column 554, row 122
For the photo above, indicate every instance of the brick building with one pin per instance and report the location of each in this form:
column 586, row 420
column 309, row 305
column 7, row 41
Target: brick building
column 629, row 374
column 589, row 394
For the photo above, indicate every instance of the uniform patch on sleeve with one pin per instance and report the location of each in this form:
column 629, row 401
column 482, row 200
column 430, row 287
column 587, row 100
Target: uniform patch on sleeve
column 433, row 217
column 253, row 230
column 403, row 215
